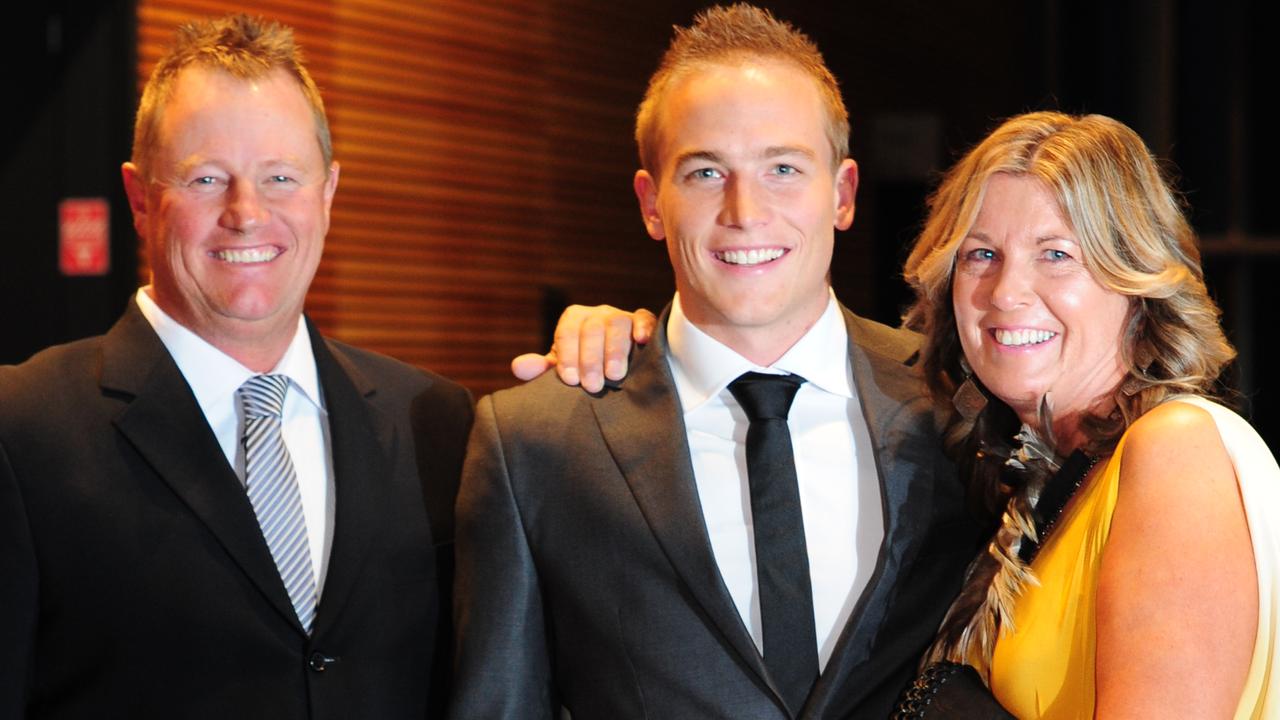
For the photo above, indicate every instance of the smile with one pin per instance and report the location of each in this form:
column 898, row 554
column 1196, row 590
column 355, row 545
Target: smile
column 1016, row 338
column 248, row 255
column 749, row 257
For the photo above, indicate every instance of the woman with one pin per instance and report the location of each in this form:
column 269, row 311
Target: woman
column 1059, row 289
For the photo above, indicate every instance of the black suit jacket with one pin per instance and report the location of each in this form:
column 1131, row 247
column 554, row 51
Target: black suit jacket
column 586, row 576
column 134, row 579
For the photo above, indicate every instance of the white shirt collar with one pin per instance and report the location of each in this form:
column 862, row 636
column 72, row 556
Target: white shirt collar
column 215, row 376
column 702, row 366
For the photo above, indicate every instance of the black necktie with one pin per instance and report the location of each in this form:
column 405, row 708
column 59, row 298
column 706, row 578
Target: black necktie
column 782, row 560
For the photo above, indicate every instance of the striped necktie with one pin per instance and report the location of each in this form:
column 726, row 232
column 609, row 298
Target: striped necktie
column 272, row 485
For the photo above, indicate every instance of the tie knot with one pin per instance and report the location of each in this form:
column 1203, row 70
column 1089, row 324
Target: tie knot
column 263, row 395
column 765, row 397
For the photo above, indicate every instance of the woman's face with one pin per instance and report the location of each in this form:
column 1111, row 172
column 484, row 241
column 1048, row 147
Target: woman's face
column 1032, row 319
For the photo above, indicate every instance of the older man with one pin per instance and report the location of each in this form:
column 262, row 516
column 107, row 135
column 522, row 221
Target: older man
column 213, row 511
column 760, row 522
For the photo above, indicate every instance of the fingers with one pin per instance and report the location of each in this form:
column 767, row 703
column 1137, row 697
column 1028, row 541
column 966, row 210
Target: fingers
column 591, row 344
column 643, row 323
column 587, row 340
column 531, row 365
column 565, row 346
column 617, row 344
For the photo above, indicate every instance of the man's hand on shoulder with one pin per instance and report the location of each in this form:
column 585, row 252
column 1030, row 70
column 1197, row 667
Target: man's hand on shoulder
column 591, row 344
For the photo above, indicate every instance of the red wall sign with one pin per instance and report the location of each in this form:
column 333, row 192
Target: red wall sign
column 84, row 236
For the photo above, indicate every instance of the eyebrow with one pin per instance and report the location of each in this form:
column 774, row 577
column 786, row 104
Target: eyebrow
column 773, row 151
column 698, row 155
column 1039, row 240
column 190, row 164
column 781, row 150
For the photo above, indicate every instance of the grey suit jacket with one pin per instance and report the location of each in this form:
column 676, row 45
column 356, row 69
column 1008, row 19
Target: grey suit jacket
column 134, row 579
column 586, row 577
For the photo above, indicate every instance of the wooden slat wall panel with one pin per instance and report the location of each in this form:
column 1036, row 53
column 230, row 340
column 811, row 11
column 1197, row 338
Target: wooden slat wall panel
column 486, row 166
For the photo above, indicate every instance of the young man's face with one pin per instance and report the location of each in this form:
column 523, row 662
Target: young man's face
column 748, row 200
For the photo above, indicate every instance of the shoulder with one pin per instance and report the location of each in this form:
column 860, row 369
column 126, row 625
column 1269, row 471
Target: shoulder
column 51, row 377
column 395, row 376
column 895, row 343
column 1175, row 454
column 545, row 410
column 1174, row 427
column 78, row 355
column 543, row 398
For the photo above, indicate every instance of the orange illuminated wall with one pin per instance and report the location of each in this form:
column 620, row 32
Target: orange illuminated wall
column 486, row 160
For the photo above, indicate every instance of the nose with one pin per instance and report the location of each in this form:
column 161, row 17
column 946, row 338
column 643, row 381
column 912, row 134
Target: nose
column 1010, row 286
column 744, row 206
column 244, row 210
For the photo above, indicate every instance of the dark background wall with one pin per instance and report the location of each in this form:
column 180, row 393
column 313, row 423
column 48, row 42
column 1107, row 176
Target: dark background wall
column 67, row 127
column 923, row 81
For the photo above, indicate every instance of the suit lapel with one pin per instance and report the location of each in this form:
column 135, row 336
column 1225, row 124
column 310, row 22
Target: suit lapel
column 883, row 386
column 643, row 428
column 361, row 440
column 165, row 424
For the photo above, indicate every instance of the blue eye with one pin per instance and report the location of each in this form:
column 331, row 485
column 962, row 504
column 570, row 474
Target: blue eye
column 981, row 254
column 786, row 170
column 1056, row 255
column 705, row 174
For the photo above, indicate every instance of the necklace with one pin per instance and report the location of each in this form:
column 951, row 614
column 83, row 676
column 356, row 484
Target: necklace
column 1058, row 490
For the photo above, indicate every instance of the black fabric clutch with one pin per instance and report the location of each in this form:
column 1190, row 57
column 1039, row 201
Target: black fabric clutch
column 949, row 691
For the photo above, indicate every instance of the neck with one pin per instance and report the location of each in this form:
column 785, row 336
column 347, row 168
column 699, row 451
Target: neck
column 1068, row 424
column 762, row 344
column 763, row 351
column 258, row 356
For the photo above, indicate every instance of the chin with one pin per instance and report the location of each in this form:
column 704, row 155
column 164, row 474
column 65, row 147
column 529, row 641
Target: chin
column 246, row 311
column 1024, row 403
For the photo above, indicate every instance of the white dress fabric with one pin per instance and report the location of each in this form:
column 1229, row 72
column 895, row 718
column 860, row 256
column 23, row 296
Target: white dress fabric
column 1259, row 478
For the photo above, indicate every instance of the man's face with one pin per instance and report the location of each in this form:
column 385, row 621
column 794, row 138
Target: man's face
column 237, row 207
column 748, row 202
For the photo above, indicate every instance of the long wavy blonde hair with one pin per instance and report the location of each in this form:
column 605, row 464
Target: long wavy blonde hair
column 1135, row 240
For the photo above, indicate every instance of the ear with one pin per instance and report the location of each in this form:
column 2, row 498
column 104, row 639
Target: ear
column 331, row 183
column 135, row 188
column 846, row 189
column 647, row 193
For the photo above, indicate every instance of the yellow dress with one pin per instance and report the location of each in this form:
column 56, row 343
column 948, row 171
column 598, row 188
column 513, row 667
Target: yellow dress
column 1045, row 667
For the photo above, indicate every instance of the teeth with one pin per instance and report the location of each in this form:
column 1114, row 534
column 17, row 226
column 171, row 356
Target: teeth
column 252, row 255
column 750, row 257
column 1023, row 337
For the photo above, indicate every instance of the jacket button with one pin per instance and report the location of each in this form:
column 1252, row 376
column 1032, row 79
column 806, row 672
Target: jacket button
column 319, row 661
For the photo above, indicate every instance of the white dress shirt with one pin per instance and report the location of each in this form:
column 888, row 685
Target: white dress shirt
column 215, row 377
column 839, row 488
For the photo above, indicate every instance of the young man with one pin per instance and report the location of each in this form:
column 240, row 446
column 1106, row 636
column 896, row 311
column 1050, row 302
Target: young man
column 627, row 555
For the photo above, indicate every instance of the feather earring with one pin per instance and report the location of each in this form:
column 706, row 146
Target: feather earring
column 969, row 400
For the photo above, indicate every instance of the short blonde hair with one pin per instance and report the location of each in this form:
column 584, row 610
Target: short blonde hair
column 1134, row 238
column 726, row 35
column 247, row 48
